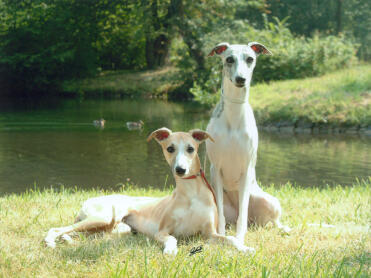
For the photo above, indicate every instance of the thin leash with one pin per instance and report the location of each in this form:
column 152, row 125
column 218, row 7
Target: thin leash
column 202, row 174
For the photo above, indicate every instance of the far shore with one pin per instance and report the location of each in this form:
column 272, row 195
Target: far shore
column 338, row 102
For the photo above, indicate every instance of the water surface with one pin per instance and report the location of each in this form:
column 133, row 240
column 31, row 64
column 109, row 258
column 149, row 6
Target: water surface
column 56, row 144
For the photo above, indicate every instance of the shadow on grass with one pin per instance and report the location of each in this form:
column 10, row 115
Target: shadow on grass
column 89, row 248
column 93, row 247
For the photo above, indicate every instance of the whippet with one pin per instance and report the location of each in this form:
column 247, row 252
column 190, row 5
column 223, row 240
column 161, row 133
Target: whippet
column 189, row 210
column 233, row 155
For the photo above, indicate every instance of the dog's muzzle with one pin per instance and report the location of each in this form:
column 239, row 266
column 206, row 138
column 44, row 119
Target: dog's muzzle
column 240, row 82
column 180, row 171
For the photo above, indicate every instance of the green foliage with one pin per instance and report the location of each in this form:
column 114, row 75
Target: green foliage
column 298, row 57
column 121, row 41
column 43, row 42
column 351, row 18
column 293, row 57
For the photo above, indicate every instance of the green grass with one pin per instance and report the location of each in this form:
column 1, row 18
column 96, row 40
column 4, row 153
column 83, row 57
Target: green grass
column 341, row 98
column 343, row 251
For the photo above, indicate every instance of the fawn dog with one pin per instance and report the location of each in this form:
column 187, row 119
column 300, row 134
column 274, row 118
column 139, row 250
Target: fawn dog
column 189, row 210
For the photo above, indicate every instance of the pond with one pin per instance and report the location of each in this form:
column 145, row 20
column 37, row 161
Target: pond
column 56, row 143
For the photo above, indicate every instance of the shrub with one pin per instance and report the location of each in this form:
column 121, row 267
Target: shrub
column 293, row 57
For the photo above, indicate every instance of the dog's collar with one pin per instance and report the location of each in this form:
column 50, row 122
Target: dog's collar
column 202, row 174
column 233, row 100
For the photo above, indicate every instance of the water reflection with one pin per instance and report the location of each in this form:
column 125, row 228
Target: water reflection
column 52, row 145
column 313, row 160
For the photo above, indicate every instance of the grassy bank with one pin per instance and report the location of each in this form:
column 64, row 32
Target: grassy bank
column 153, row 83
column 309, row 251
column 341, row 98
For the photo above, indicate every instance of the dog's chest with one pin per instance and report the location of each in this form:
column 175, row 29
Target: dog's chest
column 232, row 145
column 233, row 150
column 192, row 219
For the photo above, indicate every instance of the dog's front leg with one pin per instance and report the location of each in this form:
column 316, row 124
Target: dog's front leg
column 215, row 173
column 246, row 183
column 169, row 242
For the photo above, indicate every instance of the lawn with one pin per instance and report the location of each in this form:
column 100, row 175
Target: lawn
column 343, row 250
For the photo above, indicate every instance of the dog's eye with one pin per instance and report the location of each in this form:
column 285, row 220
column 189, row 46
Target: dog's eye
column 170, row 149
column 230, row 60
column 190, row 149
column 250, row 59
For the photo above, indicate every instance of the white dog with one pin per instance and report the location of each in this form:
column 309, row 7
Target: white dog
column 233, row 155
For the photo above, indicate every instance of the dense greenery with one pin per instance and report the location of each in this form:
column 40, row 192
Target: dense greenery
column 293, row 57
column 308, row 251
column 332, row 17
column 44, row 42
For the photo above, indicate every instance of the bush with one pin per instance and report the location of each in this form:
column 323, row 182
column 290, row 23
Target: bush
column 43, row 42
column 293, row 57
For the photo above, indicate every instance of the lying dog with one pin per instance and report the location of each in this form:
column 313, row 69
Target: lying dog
column 189, row 210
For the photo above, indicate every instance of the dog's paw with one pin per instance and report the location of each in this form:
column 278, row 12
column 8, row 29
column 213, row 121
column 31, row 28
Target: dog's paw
column 67, row 238
column 285, row 229
column 50, row 242
column 50, row 238
column 246, row 249
column 170, row 251
column 240, row 245
column 171, row 246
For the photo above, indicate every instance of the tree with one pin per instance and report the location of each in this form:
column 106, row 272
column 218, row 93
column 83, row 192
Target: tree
column 43, row 42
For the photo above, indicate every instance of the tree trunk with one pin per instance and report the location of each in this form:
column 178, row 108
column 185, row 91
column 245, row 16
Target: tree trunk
column 157, row 50
column 194, row 46
column 157, row 46
column 190, row 39
column 338, row 17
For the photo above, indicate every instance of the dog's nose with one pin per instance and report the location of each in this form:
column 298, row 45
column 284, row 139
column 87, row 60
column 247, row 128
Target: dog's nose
column 180, row 170
column 240, row 80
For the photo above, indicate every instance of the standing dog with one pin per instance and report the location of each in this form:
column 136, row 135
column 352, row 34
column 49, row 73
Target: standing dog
column 233, row 155
column 189, row 210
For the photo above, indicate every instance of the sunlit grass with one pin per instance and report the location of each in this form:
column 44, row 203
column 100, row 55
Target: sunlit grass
column 337, row 98
column 309, row 251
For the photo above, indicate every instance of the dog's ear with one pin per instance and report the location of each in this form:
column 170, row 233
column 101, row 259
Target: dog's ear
column 259, row 48
column 200, row 135
column 219, row 49
column 160, row 134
